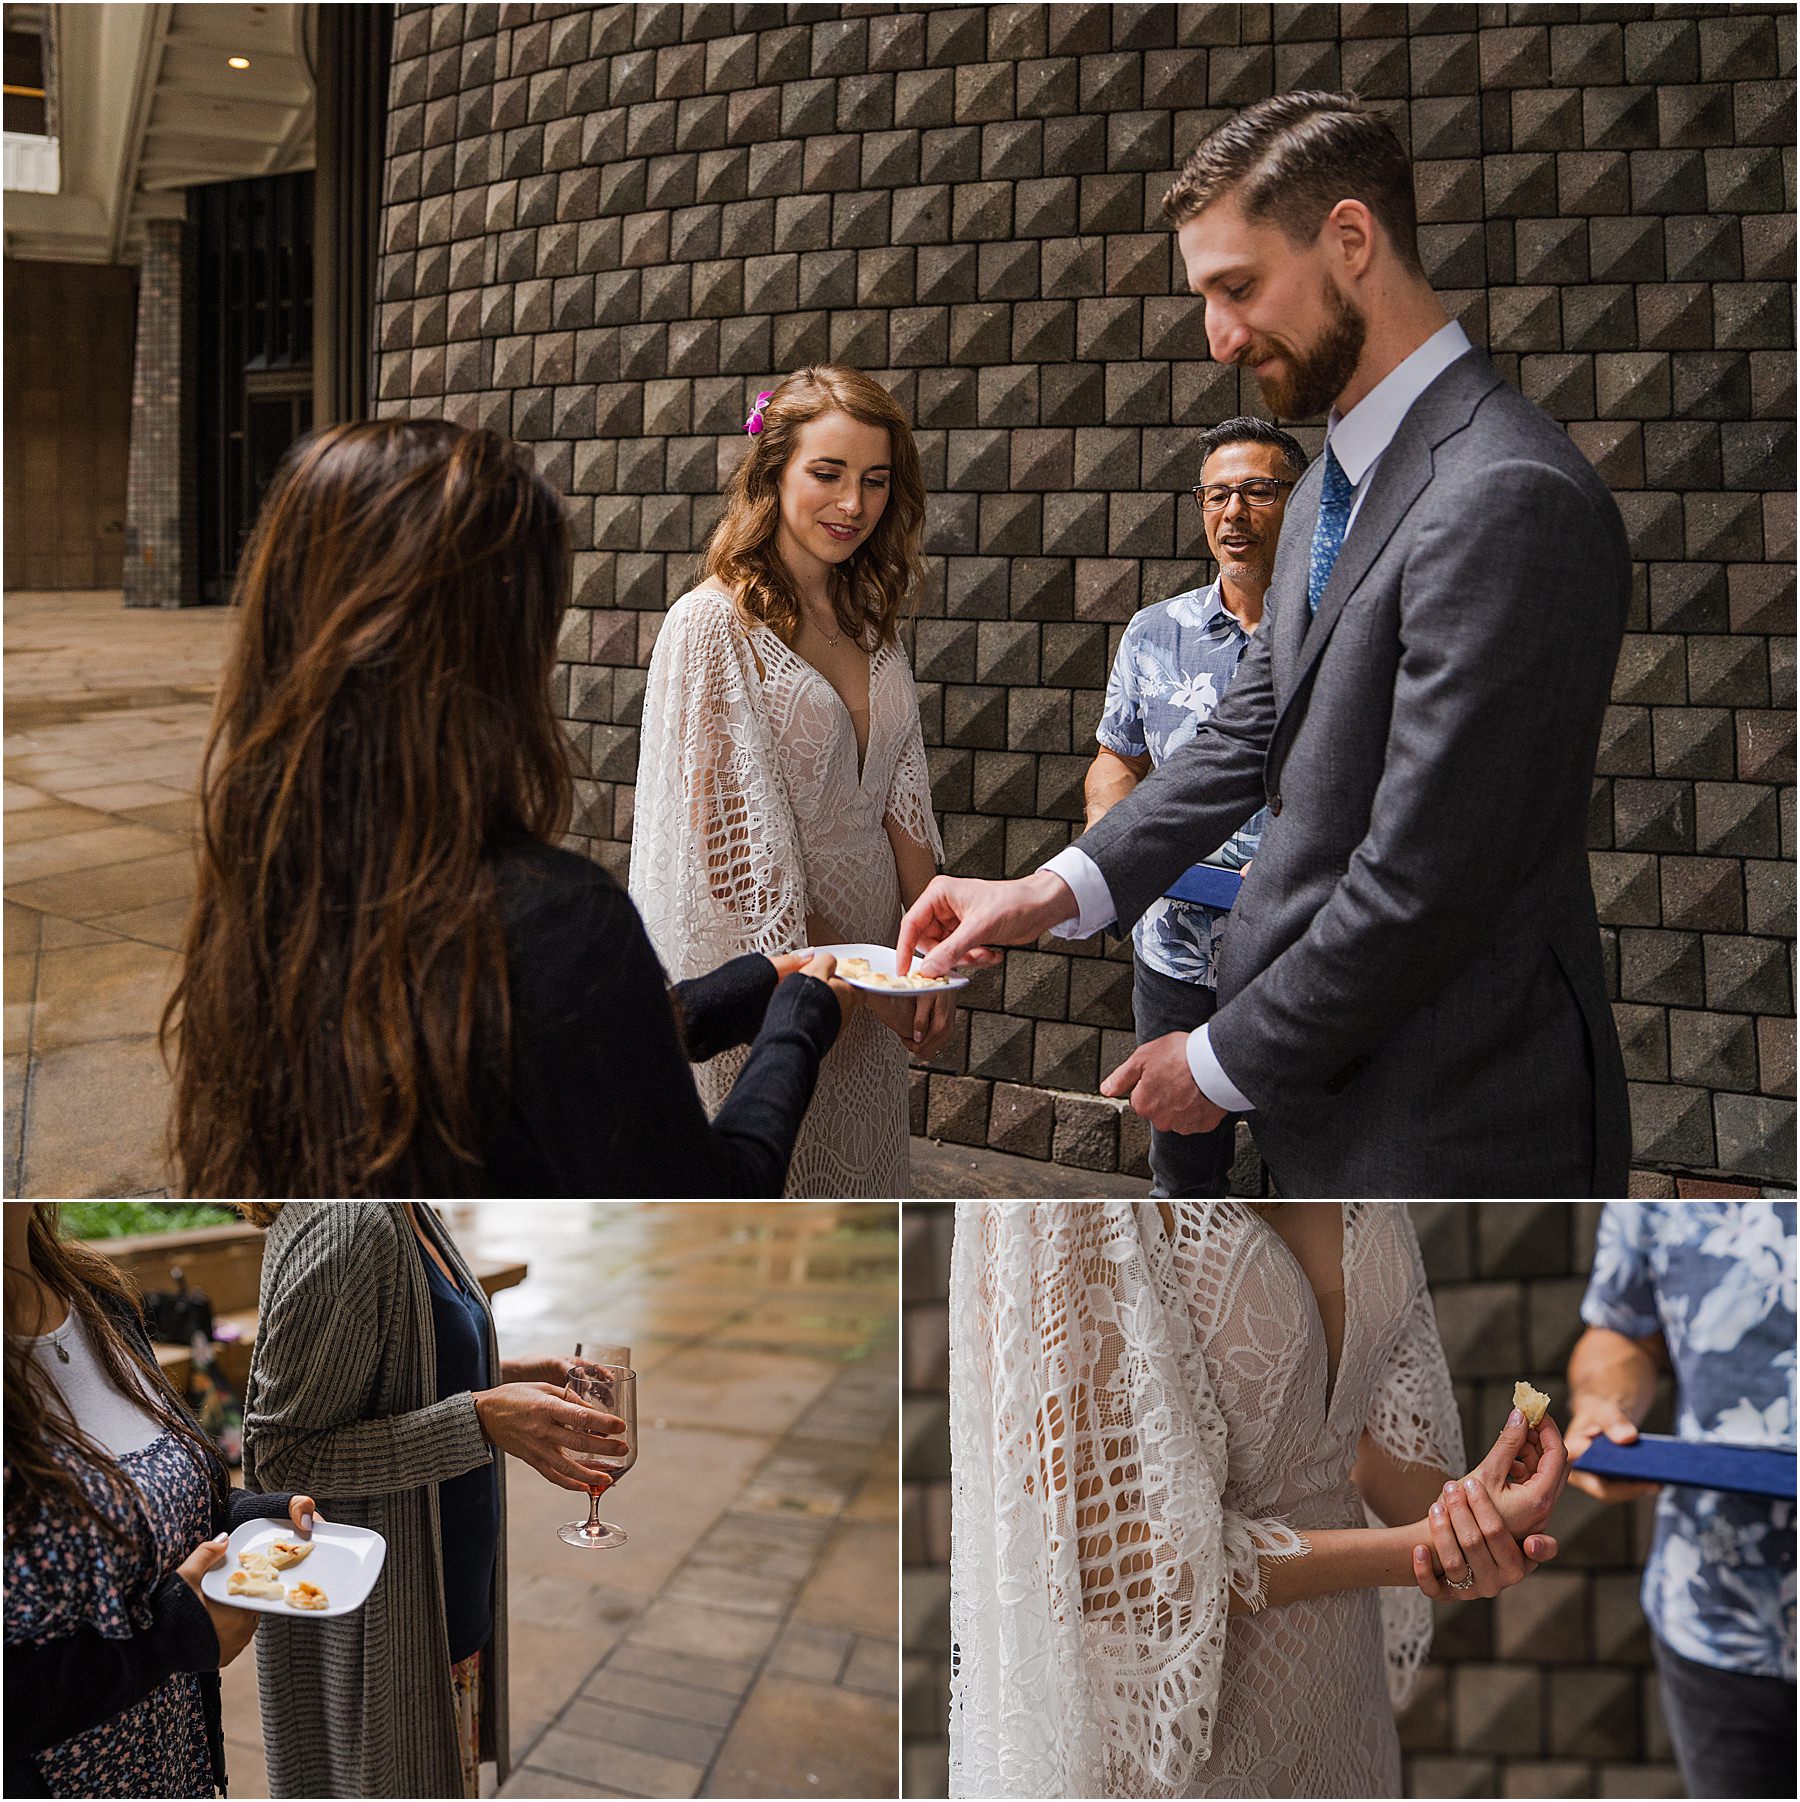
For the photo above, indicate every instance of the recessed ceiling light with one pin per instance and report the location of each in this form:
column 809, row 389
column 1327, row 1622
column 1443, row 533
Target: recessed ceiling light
column 237, row 62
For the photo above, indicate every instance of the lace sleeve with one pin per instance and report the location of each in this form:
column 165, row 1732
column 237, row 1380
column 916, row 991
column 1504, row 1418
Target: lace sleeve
column 1092, row 1556
column 715, row 861
column 909, row 790
column 1413, row 1418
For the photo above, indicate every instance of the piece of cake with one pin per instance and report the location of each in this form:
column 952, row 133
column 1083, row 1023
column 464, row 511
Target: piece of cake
column 1532, row 1403
column 307, row 1595
column 248, row 1583
column 284, row 1552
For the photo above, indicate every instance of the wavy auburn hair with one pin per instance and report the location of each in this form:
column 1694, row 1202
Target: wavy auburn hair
column 342, row 1013
column 877, row 581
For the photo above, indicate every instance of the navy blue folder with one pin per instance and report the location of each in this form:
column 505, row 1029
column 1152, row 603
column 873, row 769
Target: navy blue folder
column 1695, row 1464
column 1208, row 884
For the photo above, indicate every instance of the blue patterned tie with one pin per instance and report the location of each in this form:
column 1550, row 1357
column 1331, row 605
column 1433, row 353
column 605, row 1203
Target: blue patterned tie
column 1335, row 497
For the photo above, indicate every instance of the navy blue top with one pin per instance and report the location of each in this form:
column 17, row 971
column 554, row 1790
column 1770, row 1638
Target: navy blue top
column 469, row 1505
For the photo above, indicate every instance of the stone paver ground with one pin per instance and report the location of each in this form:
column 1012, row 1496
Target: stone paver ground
column 106, row 712
column 744, row 1642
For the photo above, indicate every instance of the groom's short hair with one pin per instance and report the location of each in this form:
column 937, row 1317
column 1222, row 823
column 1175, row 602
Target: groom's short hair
column 1291, row 158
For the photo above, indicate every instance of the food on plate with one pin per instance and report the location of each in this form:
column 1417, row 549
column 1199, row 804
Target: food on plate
column 287, row 1551
column 1532, row 1403
column 859, row 969
column 249, row 1583
column 308, row 1595
column 258, row 1564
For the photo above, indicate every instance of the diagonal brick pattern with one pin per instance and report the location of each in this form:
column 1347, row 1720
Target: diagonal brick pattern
column 606, row 228
column 1548, row 1691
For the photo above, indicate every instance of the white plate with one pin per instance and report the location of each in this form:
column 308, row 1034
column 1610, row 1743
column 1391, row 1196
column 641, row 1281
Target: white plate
column 881, row 957
column 345, row 1562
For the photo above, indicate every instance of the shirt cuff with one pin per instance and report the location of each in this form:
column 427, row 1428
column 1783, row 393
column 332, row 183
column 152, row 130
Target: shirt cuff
column 1093, row 899
column 1209, row 1075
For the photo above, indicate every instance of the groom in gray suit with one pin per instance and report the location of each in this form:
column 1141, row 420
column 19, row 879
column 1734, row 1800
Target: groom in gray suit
column 1411, row 994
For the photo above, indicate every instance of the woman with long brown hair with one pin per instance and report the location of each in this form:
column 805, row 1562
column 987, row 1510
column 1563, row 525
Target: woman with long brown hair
column 116, row 1506
column 783, row 796
column 394, row 982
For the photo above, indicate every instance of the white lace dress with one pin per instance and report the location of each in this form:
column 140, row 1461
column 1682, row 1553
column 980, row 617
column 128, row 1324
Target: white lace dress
column 1133, row 1421
column 750, row 814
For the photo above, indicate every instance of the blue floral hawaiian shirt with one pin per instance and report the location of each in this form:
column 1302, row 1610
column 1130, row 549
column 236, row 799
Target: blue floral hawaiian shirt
column 1716, row 1279
column 1174, row 664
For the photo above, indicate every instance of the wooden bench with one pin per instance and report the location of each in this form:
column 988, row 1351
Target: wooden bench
column 225, row 1264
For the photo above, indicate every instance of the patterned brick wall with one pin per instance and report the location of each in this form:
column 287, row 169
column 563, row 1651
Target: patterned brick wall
column 1548, row 1690
column 606, row 228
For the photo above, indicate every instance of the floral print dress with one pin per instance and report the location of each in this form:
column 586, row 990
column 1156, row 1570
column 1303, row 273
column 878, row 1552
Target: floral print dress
column 64, row 1574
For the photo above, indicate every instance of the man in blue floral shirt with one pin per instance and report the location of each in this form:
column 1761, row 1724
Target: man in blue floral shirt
column 1173, row 666
column 1704, row 1289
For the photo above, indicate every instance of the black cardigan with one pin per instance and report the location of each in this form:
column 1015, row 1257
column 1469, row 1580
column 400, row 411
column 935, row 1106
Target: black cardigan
column 603, row 1101
column 66, row 1686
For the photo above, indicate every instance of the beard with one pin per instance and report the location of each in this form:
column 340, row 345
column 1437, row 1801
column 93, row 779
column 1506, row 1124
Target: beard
column 1316, row 377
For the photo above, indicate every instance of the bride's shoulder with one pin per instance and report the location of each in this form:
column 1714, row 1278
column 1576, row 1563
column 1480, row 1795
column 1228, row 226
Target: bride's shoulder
column 703, row 618
column 709, row 604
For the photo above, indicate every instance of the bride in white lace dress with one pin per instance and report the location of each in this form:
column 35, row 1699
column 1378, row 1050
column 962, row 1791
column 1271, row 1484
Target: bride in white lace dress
column 1176, row 1433
column 783, row 797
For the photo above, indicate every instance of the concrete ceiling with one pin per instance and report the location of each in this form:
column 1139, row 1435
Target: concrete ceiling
column 147, row 107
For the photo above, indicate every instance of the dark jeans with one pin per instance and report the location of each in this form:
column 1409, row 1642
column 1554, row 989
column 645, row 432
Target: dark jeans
column 1733, row 1733
column 1181, row 1164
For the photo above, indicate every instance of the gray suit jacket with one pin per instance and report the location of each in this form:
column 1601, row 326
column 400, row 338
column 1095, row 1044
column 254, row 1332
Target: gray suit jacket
column 1411, row 988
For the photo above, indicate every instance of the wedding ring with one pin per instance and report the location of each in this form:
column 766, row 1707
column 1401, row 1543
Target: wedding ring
column 1468, row 1581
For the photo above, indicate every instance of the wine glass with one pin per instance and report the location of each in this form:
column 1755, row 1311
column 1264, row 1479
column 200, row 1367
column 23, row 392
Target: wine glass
column 603, row 1380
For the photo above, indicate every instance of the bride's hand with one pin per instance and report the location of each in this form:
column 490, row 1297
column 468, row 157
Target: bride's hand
column 1487, row 1527
column 933, row 1017
column 1470, row 1555
column 905, row 1015
column 1524, row 1473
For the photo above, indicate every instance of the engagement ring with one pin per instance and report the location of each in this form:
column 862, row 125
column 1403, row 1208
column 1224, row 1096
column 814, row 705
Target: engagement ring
column 1468, row 1581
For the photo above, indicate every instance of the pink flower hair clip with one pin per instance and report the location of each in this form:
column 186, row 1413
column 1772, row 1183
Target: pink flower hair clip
column 754, row 423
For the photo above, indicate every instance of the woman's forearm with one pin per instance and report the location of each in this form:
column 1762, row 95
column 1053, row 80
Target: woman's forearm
column 373, row 1457
column 914, row 864
column 1399, row 1493
column 1339, row 1558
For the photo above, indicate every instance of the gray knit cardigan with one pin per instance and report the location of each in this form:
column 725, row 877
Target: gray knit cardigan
column 342, row 1405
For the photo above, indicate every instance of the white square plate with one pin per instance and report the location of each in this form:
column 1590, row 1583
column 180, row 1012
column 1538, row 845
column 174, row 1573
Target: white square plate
column 345, row 1562
column 881, row 957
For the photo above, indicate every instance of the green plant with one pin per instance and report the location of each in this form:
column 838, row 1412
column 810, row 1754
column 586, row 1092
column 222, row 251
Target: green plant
column 115, row 1219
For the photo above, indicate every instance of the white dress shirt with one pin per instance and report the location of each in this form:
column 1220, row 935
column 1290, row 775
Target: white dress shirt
column 1358, row 438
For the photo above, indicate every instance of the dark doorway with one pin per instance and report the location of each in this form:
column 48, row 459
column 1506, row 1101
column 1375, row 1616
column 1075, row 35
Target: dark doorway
column 254, row 293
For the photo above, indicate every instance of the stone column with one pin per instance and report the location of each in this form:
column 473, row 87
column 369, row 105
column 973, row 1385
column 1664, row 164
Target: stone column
column 161, row 528
column 353, row 56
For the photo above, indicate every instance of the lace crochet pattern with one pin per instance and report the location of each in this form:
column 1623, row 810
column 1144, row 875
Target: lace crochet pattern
column 751, row 814
column 1138, row 1420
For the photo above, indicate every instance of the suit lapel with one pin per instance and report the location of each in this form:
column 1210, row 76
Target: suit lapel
column 1287, row 592
column 1396, row 482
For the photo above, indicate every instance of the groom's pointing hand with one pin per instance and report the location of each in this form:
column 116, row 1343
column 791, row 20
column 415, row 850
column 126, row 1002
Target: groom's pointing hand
column 1161, row 1087
column 958, row 917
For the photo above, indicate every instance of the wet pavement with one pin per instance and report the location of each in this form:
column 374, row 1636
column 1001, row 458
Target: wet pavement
column 744, row 1641
column 106, row 712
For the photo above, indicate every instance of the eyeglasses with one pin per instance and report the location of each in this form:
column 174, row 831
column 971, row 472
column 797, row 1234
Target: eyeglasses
column 1260, row 491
